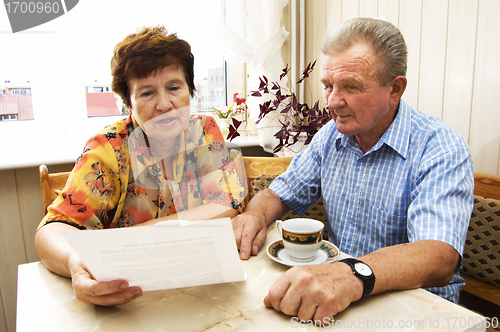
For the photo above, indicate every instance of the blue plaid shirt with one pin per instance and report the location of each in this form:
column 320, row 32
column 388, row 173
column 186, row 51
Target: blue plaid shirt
column 415, row 184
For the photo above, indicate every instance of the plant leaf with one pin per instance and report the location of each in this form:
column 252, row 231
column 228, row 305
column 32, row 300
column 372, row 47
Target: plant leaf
column 284, row 72
column 305, row 74
column 233, row 129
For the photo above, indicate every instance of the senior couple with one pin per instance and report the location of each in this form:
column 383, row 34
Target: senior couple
column 397, row 184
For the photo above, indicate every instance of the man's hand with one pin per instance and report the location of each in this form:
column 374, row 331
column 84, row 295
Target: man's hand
column 315, row 292
column 89, row 290
column 250, row 227
column 250, row 232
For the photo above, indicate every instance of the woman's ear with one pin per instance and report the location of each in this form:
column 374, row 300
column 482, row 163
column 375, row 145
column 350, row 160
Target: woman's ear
column 398, row 88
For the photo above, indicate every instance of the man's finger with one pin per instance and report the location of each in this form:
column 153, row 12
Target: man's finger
column 267, row 302
column 278, row 291
column 247, row 239
column 259, row 240
column 237, row 229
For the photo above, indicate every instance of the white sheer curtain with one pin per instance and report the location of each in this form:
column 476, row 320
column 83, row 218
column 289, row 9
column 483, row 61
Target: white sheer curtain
column 250, row 31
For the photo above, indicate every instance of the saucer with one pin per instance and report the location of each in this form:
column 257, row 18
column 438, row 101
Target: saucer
column 328, row 253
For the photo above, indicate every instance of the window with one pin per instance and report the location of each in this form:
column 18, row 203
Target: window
column 21, row 91
column 16, row 102
column 7, row 117
column 74, row 51
column 95, row 48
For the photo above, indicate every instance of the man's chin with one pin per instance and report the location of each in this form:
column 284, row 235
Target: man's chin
column 344, row 128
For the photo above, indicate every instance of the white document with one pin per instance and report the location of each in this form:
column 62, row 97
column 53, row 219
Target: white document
column 172, row 254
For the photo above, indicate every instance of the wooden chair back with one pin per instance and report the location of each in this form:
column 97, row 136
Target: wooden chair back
column 51, row 182
column 257, row 166
column 487, row 186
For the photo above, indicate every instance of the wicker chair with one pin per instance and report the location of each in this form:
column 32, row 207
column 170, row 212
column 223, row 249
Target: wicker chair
column 481, row 259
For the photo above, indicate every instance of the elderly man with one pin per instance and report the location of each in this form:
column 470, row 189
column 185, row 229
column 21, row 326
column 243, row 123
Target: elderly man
column 397, row 184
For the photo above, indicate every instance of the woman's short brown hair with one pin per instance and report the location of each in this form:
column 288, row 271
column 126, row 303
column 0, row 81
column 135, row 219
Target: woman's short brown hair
column 149, row 50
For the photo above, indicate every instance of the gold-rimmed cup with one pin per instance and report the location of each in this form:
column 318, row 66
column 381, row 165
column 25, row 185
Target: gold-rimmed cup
column 301, row 237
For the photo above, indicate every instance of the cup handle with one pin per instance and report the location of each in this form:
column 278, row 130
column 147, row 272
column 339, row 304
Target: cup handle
column 279, row 229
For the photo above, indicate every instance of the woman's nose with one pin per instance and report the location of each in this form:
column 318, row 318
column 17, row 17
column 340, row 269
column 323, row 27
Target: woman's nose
column 164, row 102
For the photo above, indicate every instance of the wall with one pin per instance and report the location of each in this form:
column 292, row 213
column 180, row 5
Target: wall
column 20, row 212
column 453, row 64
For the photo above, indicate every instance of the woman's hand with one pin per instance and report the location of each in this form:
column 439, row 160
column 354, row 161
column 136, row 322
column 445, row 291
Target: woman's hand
column 59, row 257
column 105, row 293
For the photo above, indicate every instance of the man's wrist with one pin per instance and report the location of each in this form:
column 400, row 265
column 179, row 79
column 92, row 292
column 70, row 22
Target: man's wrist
column 355, row 283
column 363, row 272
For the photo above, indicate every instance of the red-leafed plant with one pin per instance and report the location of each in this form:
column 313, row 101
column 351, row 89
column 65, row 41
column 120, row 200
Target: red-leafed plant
column 281, row 103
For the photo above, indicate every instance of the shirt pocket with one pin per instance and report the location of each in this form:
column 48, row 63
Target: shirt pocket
column 386, row 228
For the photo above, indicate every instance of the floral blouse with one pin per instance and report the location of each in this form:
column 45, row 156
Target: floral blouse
column 117, row 182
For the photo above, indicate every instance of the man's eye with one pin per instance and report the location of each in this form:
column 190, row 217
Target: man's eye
column 328, row 87
column 146, row 93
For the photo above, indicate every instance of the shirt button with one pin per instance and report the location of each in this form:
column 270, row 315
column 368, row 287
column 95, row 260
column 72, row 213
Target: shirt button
column 351, row 220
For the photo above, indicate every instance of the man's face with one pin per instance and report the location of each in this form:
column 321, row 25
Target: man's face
column 358, row 104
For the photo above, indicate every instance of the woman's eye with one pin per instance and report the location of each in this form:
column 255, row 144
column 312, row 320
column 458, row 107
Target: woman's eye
column 146, row 93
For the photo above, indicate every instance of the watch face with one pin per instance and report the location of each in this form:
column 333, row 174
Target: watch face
column 363, row 269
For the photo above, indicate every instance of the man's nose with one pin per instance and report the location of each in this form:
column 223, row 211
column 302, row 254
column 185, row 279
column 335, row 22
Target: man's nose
column 335, row 100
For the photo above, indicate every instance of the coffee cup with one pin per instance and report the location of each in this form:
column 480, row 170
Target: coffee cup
column 301, row 237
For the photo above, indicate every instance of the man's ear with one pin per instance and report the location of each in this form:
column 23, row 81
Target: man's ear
column 398, row 88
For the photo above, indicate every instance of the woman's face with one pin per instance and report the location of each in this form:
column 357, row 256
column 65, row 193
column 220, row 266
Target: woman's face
column 160, row 104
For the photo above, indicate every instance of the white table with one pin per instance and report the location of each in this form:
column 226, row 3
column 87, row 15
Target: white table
column 46, row 303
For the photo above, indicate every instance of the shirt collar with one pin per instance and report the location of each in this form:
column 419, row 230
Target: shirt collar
column 397, row 136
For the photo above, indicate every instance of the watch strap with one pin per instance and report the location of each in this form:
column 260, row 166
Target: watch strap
column 368, row 281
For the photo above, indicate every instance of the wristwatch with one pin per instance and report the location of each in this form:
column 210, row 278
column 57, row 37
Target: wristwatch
column 362, row 271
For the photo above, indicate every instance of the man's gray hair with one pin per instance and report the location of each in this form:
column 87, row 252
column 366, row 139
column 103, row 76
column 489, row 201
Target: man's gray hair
column 386, row 39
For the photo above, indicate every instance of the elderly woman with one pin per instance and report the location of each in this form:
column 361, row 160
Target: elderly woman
column 158, row 164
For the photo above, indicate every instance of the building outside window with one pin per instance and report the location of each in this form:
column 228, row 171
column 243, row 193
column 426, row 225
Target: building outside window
column 8, row 117
column 15, row 101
